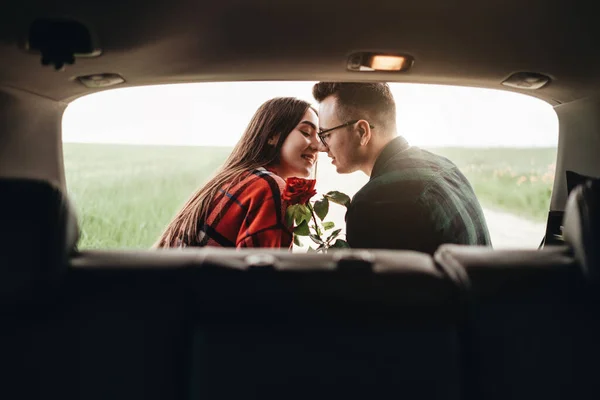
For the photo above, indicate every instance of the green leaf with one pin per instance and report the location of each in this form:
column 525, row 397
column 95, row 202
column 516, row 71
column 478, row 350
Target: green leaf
column 302, row 229
column 333, row 235
column 322, row 208
column 317, row 230
column 311, row 250
column 328, row 225
column 297, row 241
column 338, row 198
column 316, row 239
column 289, row 215
column 302, row 214
column 340, row 244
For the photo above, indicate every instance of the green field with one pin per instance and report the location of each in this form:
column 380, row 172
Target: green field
column 125, row 194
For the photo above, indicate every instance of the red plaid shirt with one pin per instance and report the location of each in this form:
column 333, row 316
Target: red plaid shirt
column 247, row 214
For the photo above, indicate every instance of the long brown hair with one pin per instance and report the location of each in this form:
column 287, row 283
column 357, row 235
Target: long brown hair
column 276, row 116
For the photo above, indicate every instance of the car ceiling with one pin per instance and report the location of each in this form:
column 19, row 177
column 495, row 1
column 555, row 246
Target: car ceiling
column 471, row 43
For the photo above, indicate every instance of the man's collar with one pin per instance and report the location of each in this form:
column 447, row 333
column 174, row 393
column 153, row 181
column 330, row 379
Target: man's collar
column 395, row 146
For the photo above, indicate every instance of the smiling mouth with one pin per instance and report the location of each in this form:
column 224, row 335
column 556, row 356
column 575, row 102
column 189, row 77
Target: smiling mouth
column 309, row 158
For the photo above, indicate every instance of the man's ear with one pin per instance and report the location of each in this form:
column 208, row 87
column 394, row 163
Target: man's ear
column 364, row 131
column 273, row 140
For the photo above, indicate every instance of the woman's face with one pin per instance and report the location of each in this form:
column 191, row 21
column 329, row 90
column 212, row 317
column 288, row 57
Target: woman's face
column 298, row 154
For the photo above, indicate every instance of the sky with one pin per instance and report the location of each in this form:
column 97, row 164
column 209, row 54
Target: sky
column 216, row 114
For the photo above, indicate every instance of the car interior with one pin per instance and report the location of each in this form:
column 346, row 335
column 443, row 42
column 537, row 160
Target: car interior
column 467, row 323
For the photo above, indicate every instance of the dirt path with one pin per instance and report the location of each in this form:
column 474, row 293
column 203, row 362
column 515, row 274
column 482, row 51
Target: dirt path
column 510, row 231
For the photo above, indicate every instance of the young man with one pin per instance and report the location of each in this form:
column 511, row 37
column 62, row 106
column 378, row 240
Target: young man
column 414, row 200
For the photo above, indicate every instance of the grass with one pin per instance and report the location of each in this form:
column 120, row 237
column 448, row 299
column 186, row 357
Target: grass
column 125, row 194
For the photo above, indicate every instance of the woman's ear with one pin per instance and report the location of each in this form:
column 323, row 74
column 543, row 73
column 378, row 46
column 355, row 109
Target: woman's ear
column 273, row 140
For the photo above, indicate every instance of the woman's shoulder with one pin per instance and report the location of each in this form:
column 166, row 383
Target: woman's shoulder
column 266, row 179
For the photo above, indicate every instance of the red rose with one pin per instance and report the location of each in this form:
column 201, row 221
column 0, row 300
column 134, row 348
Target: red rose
column 298, row 190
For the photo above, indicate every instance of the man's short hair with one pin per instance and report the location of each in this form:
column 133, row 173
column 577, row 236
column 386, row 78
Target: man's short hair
column 371, row 101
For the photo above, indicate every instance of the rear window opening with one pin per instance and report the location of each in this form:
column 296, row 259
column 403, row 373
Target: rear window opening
column 133, row 156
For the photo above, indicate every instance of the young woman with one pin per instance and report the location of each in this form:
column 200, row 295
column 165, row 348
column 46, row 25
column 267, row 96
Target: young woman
column 241, row 206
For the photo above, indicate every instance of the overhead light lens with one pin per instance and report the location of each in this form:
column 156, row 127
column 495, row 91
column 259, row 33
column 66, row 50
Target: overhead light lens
column 387, row 63
column 101, row 80
column 378, row 62
column 527, row 80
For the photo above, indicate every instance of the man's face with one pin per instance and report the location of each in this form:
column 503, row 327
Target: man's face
column 343, row 144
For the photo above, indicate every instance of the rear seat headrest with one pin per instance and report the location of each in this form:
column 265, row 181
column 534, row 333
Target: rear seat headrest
column 38, row 234
column 581, row 226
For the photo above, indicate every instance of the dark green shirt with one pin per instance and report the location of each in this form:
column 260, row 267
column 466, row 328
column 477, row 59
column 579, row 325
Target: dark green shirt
column 415, row 200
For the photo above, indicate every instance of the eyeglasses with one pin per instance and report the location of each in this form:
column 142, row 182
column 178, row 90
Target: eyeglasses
column 324, row 134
